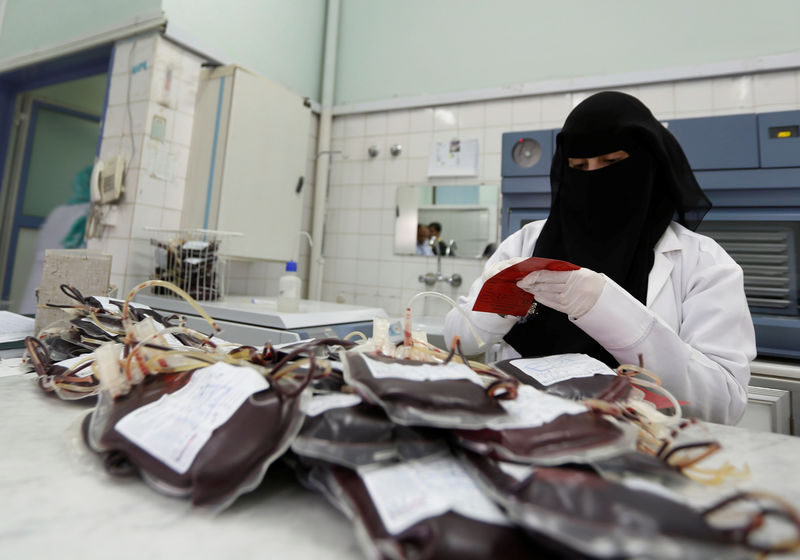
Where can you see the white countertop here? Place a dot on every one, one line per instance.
(58, 502)
(262, 311)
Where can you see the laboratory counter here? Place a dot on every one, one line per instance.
(58, 501)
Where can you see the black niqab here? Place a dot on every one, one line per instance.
(609, 219)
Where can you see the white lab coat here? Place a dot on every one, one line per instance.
(695, 333)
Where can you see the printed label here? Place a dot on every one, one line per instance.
(552, 369)
(421, 372)
(175, 428)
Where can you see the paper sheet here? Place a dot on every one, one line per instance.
(175, 428)
(500, 293)
(559, 367)
(14, 327)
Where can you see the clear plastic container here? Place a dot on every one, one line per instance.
(289, 290)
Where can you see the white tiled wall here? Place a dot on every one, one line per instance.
(151, 77)
(155, 78)
(361, 266)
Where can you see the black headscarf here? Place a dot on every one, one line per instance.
(609, 219)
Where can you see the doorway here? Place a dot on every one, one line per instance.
(53, 133)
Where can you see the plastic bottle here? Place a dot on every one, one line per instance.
(289, 290)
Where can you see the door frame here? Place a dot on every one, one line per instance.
(82, 64)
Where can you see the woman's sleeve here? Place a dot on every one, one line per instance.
(489, 327)
(706, 363)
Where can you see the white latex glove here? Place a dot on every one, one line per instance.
(500, 266)
(573, 292)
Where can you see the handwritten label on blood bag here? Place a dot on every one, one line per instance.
(560, 367)
(406, 493)
(175, 428)
(533, 408)
(500, 293)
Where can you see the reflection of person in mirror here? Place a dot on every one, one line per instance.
(423, 240)
(625, 206)
(439, 246)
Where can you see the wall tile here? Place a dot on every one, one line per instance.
(445, 119)
(369, 222)
(145, 217)
(182, 130)
(351, 172)
(472, 115)
(337, 127)
(376, 124)
(418, 170)
(397, 171)
(555, 108)
(124, 225)
(350, 221)
(527, 111)
(372, 196)
(354, 125)
(493, 139)
(776, 89)
(693, 96)
(391, 274)
(490, 168)
(733, 93)
(374, 171)
(369, 247)
(398, 122)
(419, 144)
(355, 148)
(150, 190)
(421, 120)
(499, 112)
(170, 219)
(659, 98)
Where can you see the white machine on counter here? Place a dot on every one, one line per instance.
(255, 321)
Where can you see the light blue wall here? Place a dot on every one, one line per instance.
(31, 25)
(279, 39)
(408, 48)
(393, 49)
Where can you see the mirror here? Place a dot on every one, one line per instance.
(468, 215)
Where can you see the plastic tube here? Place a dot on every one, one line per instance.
(453, 304)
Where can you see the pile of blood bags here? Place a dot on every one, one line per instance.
(428, 455)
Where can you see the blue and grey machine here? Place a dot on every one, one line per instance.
(749, 166)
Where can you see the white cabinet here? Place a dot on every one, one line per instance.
(773, 397)
(768, 410)
(247, 163)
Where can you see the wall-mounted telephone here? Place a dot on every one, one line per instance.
(106, 182)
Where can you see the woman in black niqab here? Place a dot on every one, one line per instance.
(609, 219)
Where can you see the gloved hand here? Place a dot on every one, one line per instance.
(500, 266)
(573, 292)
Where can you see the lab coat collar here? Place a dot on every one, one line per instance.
(662, 265)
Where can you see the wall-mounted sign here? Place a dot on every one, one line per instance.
(456, 158)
